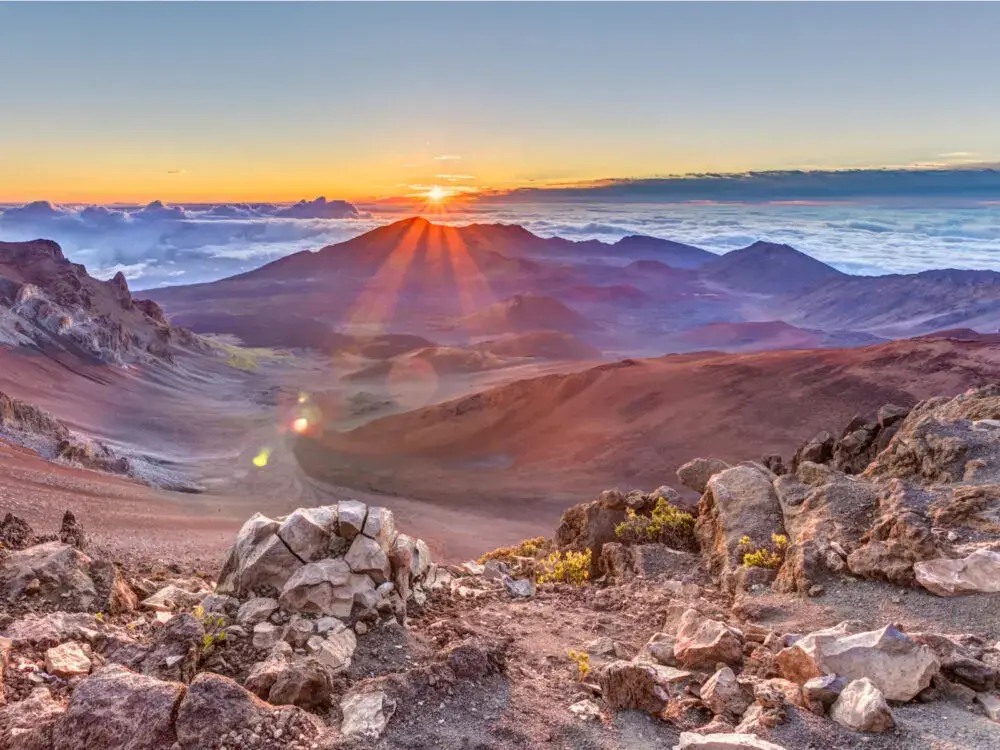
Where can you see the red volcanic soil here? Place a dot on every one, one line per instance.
(537, 445)
(540, 345)
(526, 312)
(443, 360)
(773, 334)
(760, 336)
(620, 295)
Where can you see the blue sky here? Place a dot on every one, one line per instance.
(280, 101)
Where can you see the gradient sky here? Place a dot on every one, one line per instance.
(256, 101)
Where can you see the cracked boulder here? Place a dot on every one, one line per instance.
(896, 664)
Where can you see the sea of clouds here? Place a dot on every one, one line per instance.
(157, 244)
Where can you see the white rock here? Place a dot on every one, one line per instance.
(326, 625)
(256, 610)
(991, 704)
(695, 473)
(367, 556)
(307, 532)
(334, 651)
(897, 665)
(268, 564)
(979, 573)
(366, 714)
(171, 598)
(586, 709)
(67, 660)
(316, 589)
(299, 631)
(380, 526)
(266, 635)
(862, 707)
(724, 742)
(351, 517)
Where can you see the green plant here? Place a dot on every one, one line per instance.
(582, 661)
(666, 523)
(213, 624)
(566, 567)
(764, 557)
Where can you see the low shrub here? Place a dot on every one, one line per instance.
(565, 567)
(764, 557)
(582, 661)
(666, 524)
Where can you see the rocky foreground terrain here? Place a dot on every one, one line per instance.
(847, 597)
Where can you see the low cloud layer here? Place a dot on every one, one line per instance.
(158, 244)
(972, 183)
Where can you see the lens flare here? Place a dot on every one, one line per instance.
(261, 459)
(300, 425)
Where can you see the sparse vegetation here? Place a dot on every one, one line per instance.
(582, 661)
(666, 524)
(566, 567)
(527, 548)
(213, 625)
(244, 358)
(764, 557)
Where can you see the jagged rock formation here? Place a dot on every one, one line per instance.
(47, 301)
(28, 425)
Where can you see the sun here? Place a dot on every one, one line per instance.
(437, 194)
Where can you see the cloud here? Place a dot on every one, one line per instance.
(968, 184)
(202, 242)
(447, 157)
(455, 177)
(176, 171)
(319, 209)
(159, 243)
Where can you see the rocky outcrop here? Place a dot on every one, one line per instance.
(695, 473)
(738, 502)
(47, 301)
(54, 575)
(217, 712)
(591, 526)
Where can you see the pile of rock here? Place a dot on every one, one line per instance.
(710, 677)
(295, 596)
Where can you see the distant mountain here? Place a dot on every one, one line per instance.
(761, 336)
(525, 312)
(674, 254)
(900, 305)
(768, 268)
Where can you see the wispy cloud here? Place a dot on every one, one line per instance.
(176, 171)
(447, 157)
(455, 177)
